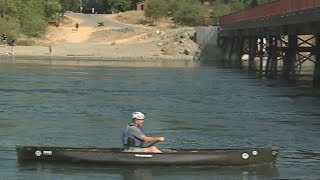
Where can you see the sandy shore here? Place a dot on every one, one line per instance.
(98, 55)
(96, 46)
(85, 61)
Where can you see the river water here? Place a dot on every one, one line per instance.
(202, 107)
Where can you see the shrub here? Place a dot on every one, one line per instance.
(34, 26)
(26, 42)
(188, 12)
(156, 9)
(10, 27)
(219, 9)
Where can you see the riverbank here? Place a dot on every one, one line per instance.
(85, 61)
(98, 56)
(101, 61)
(116, 41)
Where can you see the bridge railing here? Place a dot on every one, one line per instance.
(271, 9)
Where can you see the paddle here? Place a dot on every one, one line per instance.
(152, 144)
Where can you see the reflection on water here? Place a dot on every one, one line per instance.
(150, 173)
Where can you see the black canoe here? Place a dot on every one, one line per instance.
(115, 156)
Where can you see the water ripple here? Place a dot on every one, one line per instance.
(193, 108)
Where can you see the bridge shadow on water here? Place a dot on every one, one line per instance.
(300, 80)
(149, 173)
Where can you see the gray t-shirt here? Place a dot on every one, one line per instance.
(134, 132)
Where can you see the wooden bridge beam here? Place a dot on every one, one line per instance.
(316, 74)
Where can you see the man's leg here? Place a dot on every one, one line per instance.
(153, 149)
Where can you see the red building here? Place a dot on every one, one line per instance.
(140, 6)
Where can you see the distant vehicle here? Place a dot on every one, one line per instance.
(69, 12)
(53, 23)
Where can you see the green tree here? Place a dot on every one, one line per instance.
(51, 7)
(27, 16)
(237, 5)
(10, 26)
(189, 12)
(8, 7)
(120, 5)
(70, 5)
(32, 17)
(219, 9)
(254, 3)
(9, 23)
(156, 9)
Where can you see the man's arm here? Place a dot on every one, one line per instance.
(136, 132)
(151, 139)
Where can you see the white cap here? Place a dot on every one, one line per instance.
(137, 115)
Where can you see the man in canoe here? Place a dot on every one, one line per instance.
(133, 137)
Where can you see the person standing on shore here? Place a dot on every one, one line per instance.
(3, 39)
(11, 47)
(77, 26)
(50, 49)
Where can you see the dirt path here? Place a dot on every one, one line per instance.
(89, 31)
(114, 39)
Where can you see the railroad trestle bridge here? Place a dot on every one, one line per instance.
(281, 38)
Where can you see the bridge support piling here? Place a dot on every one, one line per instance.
(230, 48)
(234, 54)
(290, 57)
(240, 52)
(223, 45)
(252, 52)
(271, 68)
(261, 53)
(272, 56)
(316, 74)
(237, 53)
(227, 49)
(229, 59)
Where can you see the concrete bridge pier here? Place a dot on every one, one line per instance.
(316, 74)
